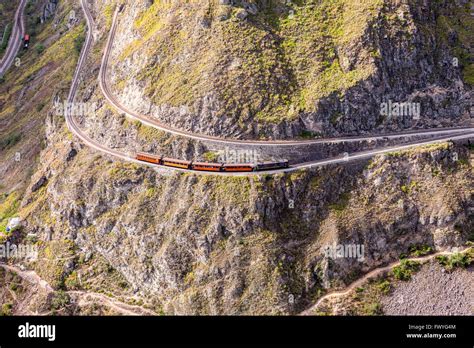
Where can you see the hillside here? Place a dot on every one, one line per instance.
(266, 69)
(158, 241)
(7, 12)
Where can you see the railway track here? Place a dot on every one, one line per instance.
(445, 134)
(14, 43)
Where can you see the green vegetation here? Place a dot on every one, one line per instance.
(210, 156)
(341, 204)
(6, 38)
(367, 300)
(420, 250)
(79, 41)
(55, 255)
(270, 67)
(305, 134)
(108, 14)
(39, 48)
(56, 54)
(122, 170)
(409, 189)
(405, 270)
(60, 300)
(72, 281)
(458, 260)
(6, 309)
(10, 141)
(384, 286)
(461, 22)
(8, 209)
(373, 308)
(468, 74)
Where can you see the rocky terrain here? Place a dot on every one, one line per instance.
(439, 285)
(174, 243)
(451, 294)
(279, 69)
(236, 246)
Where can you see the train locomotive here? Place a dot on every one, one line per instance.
(211, 167)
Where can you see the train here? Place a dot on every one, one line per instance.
(211, 167)
(26, 41)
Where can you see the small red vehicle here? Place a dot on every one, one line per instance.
(26, 41)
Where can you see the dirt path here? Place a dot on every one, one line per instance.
(372, 274)
(121, 307)
(29, 276)
(83, 297)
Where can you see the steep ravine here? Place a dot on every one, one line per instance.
(205, 245)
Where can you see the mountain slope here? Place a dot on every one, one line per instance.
(272, 70)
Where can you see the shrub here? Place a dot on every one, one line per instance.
(39, 48)
(384, 287)
(468, 74)
(456, 260)
(78, 42)
(6, 309)
(420, 250)
(9, 141)
(6, 37)
(374, 308)
(211, 156)
(60, 300)
(405, 270)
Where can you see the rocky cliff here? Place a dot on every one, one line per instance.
(203, 245)
(187, 244)
(279, 69)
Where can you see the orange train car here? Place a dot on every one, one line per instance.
(146, 157)
(171, 162)
(210, 167)
(207, 167)
(242, 167)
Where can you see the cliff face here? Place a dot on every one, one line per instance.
(188, 244)
(276, 69)
(203, 245)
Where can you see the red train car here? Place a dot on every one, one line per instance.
(171, 162)
(239, 167)
(210, 167)
(146, 157)
(207, 167)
